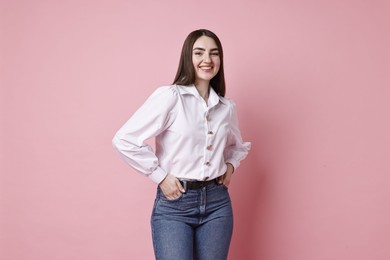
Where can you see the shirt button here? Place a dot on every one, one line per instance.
(209, 147)
(207, 163)
(210, 132)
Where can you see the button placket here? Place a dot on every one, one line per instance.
(210, 133)
(207, 116)
(208, 144)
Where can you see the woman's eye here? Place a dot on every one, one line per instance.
(198, 53)
(215, 54)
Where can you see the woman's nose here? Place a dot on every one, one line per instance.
(207, 58)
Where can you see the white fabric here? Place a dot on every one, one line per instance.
(194, 140)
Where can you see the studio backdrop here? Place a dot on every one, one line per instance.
(312, 87)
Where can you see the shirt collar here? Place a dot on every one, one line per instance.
(214, 98)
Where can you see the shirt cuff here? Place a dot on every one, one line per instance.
(158, 175)
(234, 163)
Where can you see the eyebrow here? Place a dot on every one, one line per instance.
(202, 49)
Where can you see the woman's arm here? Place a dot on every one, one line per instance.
(153, 117)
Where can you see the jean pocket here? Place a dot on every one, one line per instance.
(166, 199)
(186, 202)
(223, 186)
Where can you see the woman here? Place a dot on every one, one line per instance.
(198, 147)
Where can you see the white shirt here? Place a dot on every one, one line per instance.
(194, 140)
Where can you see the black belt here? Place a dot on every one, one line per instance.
(193, 185)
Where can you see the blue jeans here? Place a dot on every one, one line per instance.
(198, 225)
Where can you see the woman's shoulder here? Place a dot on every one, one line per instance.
(177, 90)
(163, 95)
(169, 93)
(167, 90)
(228, 101)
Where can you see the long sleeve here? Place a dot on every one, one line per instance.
(236, 149)
(152, 118)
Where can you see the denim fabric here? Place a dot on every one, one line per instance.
(198, 225)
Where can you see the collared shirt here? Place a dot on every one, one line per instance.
(194, 139)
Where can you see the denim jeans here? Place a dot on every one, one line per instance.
(198, 225)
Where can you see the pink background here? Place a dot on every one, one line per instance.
(312, 83)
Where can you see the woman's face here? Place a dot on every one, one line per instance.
(205, 58)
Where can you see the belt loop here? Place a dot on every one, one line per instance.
(184, 184)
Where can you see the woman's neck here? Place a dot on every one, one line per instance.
(203, 89)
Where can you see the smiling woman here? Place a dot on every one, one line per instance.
(201, 46)
(206, 63)
(198, 146)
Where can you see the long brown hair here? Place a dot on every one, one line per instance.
(186, 73)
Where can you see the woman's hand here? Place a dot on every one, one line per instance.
(225, 179)
(171, 187)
